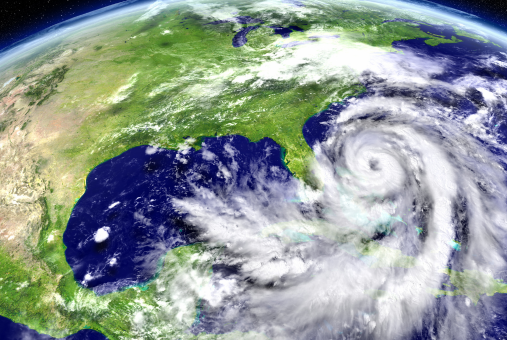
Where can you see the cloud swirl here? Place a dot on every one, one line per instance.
(411, 208)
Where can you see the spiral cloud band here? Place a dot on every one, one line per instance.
(404, 236)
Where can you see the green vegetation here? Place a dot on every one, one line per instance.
(58, 306)
(473, 284)
(179, 93)
(464, 33)
(46, 86)
(38, 57)
(21, 289)
(5, 124)
(25, 124)
(437, 41)
(157, 82)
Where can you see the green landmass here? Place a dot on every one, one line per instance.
(126, 83)
(471, 283)
(46, 86)
(438, 41)
(464, 33)
(59, 306)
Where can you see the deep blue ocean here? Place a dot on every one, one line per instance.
(130, 195)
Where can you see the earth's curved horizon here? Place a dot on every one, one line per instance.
(255, 170)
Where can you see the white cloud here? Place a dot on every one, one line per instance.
(154, 9)
(112, 205)
(101, 234)
(379, 176)
(124, 91)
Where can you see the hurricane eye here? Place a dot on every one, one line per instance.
(374, 164)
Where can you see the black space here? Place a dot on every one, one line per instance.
(494, 11)
(22, 18)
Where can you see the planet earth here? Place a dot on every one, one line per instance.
(255, 170)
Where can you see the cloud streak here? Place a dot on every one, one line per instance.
(403, 178)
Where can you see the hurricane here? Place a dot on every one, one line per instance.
(409, 194)
(282, 169)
